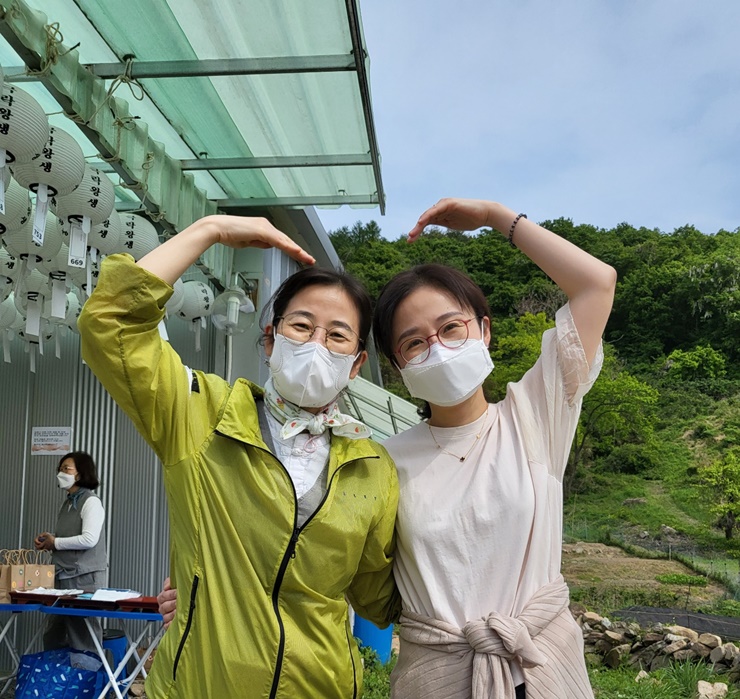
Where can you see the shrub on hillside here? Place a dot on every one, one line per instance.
(632, 459)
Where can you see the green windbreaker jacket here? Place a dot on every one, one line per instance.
(261, 603)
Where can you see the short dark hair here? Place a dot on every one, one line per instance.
(316, 276)
(85, 467)
(446, 279)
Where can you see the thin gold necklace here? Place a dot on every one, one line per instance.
(472, 446)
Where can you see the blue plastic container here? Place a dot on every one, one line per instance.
(379, 640)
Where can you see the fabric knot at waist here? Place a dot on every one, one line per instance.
(503, 636)
(493, 641)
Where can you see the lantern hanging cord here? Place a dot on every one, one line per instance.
(143, 187)
(54, 39)
(120, 123)
(137, 91)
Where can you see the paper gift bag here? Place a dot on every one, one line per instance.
(29, 570)
(4, 579)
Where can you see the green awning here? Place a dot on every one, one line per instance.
(244, 105)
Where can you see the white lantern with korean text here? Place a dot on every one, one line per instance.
(24, 129)
(196, 307)
(8, 273)
(105, 237)
(17, 207)
(138, 235)
(89, 204)
(173, 305)
(19, 243)
(54, 172)
(30, 292)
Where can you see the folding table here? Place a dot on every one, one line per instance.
(115, 680)
(15, 610)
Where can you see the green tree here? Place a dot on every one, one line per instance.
(702, 362)
(516, 344)
(347, 241)
(722, 481)
(619, 409)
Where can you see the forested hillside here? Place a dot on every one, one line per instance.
(666, 408)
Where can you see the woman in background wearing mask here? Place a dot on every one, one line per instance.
(485, 608)
(77, 549)
(280, 506)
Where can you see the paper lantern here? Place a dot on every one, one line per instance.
(8, 273)
(74, 308)
(8, 312)
(89, 204)
(19, 242)
(24, 126)
(138, 236)
(54, 172)
(17, 206)
(105, 237)
(10, 321)
(29, 296)
(174, 304)
(196, 307)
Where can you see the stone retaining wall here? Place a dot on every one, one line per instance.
(616, 643)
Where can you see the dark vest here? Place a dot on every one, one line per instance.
(71, 563)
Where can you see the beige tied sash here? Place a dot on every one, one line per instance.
(445, 661)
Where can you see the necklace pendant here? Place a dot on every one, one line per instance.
(462, 458)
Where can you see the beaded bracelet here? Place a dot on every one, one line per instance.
(513, 226)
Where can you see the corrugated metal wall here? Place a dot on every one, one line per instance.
(64, 392)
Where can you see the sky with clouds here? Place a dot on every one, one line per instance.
(601, 111)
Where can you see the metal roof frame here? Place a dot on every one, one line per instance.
(142, 163)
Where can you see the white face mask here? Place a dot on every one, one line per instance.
(307, 374)
(449, 376)
(65, 480)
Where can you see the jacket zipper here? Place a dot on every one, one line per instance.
(354, 669)
(290, 553)
(191, 610)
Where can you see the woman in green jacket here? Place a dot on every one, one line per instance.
(280, 507)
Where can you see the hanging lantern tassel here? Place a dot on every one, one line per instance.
(42, 208)
(57, 347)
(33, 314)
(163, 331)
(78, 233)
(200, 324)
(89, 280)
(7, 336)
(58, 294)
(3, 155)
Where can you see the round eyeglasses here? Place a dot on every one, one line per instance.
(340, 340)
(452, 334)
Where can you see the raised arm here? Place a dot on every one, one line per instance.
(587, 282)
(170, 260)
(121, 343)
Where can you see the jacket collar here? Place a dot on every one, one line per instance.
(238, 419)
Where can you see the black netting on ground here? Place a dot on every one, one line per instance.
(727, 627)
